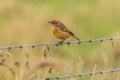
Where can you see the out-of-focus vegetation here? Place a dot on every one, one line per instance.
(25, 22)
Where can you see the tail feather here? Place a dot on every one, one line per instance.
(75, 37)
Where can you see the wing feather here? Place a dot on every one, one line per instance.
(62, 27)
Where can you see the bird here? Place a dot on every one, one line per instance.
(61, 31)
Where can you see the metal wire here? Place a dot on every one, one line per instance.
(58, 44)
(81, 75)
(69, 43)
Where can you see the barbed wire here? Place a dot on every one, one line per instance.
(81, 75)
(58, 44)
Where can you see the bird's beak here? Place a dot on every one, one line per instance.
(49, 22)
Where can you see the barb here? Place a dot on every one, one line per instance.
(57, 44)
(82, 75)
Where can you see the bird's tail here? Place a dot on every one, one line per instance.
(75, 37)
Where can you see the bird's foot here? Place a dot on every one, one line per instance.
(60, 43)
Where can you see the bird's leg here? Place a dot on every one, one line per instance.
(61, 42)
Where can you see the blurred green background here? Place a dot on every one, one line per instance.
(25, 22)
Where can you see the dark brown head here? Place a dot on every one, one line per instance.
(53, 22)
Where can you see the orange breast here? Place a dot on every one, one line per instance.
(60, 34)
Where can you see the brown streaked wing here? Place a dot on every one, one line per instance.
(61, 26)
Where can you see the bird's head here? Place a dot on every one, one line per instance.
(53, 22)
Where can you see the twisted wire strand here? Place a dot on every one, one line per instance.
(84, 74)
(57, 44)
(69, 43)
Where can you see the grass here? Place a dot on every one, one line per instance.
(25, 22)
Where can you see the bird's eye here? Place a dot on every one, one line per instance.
(54, 22)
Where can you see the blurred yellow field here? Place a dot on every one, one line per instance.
(26, 22)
